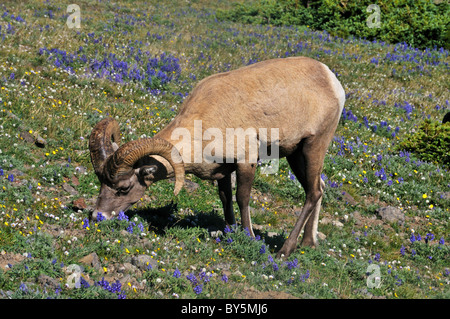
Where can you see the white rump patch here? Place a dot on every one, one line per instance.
(337, 87)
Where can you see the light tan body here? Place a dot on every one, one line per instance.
(298, 96)
(295, 95)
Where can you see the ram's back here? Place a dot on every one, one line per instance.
(299, 96)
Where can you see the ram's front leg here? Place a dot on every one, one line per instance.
(226, 196)
(245, 174)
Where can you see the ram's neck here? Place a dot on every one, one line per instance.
(181, 138)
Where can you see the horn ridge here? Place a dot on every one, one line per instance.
(100, 142)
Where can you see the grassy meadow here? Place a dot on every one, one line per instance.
(137, 61)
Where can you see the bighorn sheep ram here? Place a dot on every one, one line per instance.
(299, 96)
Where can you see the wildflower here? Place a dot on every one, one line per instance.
(191, 277)
(304, 276)
(402, 250)
(291, 176)
(198, 289)
(428, 237)
(130, 227)
(23, 287)
(262, 250)
(177, 273)
(100, 217)
(292, 264)
(228, 229)
(85, 224)
(122, 216)
(225, 278)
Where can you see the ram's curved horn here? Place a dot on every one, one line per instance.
(122, 161)
(101, 142)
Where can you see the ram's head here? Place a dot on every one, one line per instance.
(126, 171)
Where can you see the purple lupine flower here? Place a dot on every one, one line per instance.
(228, 229)
(225, 278)
(85, 223)
(122, 216)
(198, 289)
(402, 250)
(177, 273)
(262, 250)
(100, 217)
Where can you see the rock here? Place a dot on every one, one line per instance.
(223, 266)
(91, 260)
(69, 189)
(8, 260)
(48, 281)
(348, 198)
(358, 218)
(26, 136)
(127, 268)
(144, 262)
(257, 227)
(75, 181)
(190, 186)
(321, 236)
(391, 214)
(79, 204)
(327, 220)
(125, 280)
(337, 223)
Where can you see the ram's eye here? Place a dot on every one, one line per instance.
(124, 189)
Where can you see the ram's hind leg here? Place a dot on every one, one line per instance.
(310, 234)
(306, 163)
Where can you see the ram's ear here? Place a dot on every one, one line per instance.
(148, 173)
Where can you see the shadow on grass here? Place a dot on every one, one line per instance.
(160, 219)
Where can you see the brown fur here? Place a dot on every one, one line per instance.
(299, 96)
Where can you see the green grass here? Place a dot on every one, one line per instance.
(41, 233)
